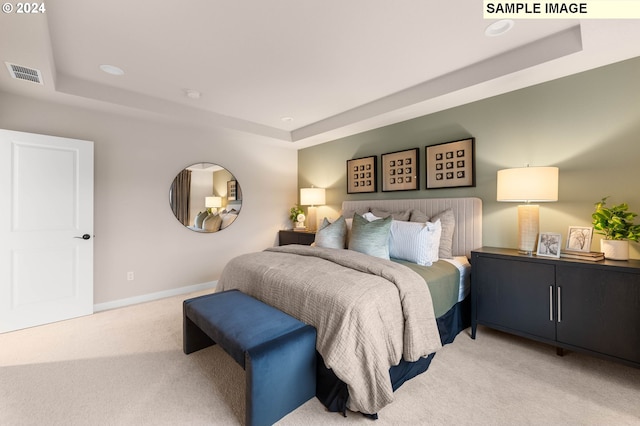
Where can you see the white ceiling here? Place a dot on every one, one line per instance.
(335, 67)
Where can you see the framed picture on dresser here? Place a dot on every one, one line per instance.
(451, 164)
(579, 238)
(361, 175)
(549, 244)
(400, 170)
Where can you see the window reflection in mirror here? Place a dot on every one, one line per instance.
(205, 197)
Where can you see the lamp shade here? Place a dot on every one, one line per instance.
(213, 202)
(312, 196)
(528, 184)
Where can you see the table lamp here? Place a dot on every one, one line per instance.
(212, 202)
(312, 197)
(528, 185)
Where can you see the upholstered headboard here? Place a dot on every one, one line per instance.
(467, 235)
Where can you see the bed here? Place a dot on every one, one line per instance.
(378, 323)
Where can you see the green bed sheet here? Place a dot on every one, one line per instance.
(443, 280)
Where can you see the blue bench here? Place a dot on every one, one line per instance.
(276, 350)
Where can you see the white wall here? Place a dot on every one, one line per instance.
(135, 163)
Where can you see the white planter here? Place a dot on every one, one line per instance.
(615, 249)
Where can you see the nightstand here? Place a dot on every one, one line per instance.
(296, 237)
(591, 307)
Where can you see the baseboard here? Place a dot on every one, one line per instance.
(153, 296)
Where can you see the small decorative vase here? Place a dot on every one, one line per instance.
(615, 249)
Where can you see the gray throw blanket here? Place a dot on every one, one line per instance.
(368, 312)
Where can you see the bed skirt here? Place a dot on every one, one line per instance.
(333, 393)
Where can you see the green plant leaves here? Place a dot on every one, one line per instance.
(615, 222)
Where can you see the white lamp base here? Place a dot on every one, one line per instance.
(528, 227)
(312, 223)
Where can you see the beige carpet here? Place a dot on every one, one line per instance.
(126, 367)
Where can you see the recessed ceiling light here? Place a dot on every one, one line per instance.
(192, 94)
(287, 119)
(111, 69)
(499, 27)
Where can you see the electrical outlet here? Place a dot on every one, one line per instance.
(130, 276)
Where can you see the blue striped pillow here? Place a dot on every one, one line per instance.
(415, 242)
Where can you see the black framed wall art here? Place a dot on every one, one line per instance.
(361, 175)
(451, 164)
(233, 191)
(400, 170)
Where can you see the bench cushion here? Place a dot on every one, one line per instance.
(246, 322)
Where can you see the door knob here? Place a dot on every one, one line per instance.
(84, 237)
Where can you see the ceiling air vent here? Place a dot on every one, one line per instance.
(24, 73)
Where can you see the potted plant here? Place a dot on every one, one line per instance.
(616, 224)
(296, 214)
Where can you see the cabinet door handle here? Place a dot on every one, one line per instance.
(559, 304)
(550, 303)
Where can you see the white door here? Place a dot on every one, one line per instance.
(46, 207)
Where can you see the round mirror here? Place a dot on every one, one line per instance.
(205, 197)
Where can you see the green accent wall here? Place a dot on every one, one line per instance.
(587, 124)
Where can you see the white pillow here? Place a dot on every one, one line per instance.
(415, 242)
(370, 216)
